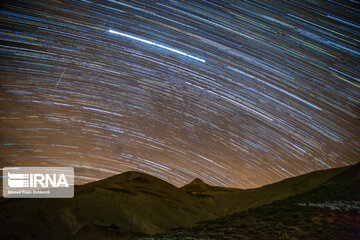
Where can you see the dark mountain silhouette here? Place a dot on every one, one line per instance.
(134, 205)
(331, 210)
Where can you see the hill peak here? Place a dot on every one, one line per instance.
(197, 185)
(131, 179)
(197, 181)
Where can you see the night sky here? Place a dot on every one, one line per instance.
(237, 93)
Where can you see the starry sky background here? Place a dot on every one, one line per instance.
(271, 90)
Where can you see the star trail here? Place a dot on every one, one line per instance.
(237, 93)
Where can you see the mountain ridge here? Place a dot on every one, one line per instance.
(329, 211)
(135, 204)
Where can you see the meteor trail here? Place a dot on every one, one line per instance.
(60, 78)
(156, 44)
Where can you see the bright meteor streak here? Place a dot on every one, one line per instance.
(156, 44)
